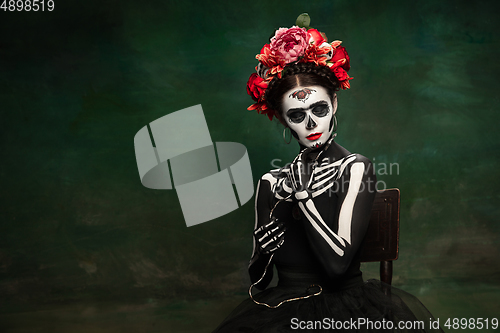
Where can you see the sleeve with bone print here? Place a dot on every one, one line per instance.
(335, 242)
(334, 238)
(268, 234)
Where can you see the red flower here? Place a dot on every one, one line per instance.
(256, 87)
(345, 84)
(269, 113)
(316, 54)
(341, 58)
(316, 36)
(262, 108)
(336, 43)
(266, 57)
(340, 73)
(290, 46)
(276, 70)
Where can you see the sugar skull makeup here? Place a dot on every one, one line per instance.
(308, 111)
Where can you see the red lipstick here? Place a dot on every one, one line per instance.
(314, 136)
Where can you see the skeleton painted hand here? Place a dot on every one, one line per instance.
(270, 237)
(334, 238)
(319, 178)
(300, 175)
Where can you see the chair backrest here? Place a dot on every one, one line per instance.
(381, 241)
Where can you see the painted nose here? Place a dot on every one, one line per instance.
(310, 123)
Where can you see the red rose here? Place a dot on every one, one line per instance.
(316, 36)
(340, 73)
(256, 86)
(341, 53)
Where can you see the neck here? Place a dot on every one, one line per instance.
(315, 153)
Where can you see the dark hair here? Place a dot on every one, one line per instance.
(301, 74)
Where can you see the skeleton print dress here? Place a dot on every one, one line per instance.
(313, 242)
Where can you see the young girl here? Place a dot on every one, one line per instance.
(312, 215)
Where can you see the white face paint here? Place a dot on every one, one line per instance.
(308, 111)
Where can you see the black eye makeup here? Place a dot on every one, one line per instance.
(296, 116)
(319, 109)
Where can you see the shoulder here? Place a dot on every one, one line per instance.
(274, 175)
(269, 176)
(358, 158)
(356, 164)
(351, 159)
(269, 179)
(266, 175)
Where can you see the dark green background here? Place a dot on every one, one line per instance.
(84, 247)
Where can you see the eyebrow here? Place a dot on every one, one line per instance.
(312, 106)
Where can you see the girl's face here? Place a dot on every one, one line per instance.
(308, 111)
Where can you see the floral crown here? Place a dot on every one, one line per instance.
(290, 46)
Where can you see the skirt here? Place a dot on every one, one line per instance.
(344, 305)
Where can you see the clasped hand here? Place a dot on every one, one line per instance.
(270, 237)
(300, 175)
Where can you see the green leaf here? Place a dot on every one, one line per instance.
(303, 21)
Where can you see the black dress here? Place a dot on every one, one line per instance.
(312, 258)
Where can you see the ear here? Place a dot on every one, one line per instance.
(282, 120)
(334, 103)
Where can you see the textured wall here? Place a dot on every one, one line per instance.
(83, 246)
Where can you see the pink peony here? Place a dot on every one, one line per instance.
(290, 44)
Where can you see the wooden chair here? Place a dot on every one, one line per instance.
(381, 242)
